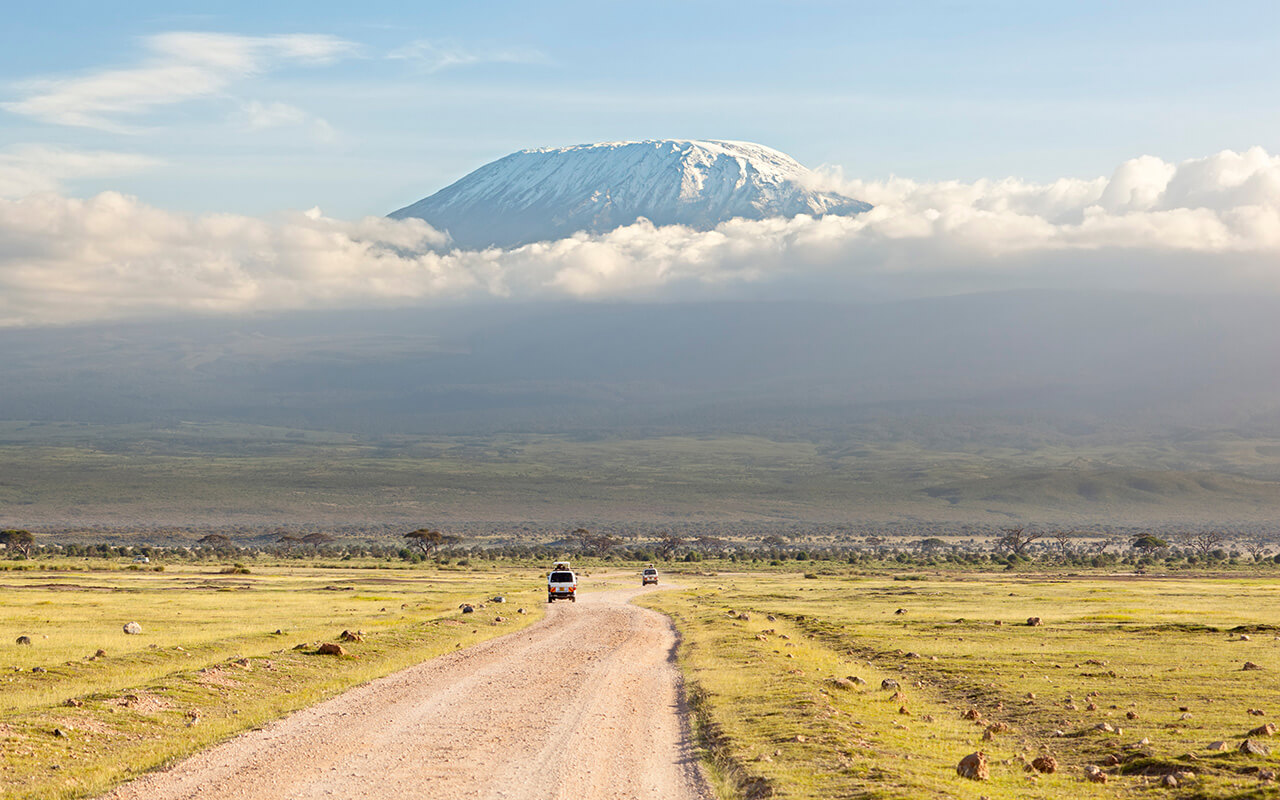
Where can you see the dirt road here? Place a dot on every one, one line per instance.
(584, 705)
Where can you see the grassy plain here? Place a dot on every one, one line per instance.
(1159, 660)
(216, 655)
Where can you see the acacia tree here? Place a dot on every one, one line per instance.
(1063, 538)
(1257, 548)
(1206, 542)
(20, 541)
(668, 545)
(1016, 540)
(428, 540)
(1148, 543)
(595, 543)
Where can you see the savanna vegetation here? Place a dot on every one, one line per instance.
(824, 686)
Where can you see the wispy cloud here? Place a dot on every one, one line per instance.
(180, 66)
(257, 116)
(37, 168)
(1205, 224)
(431, 56)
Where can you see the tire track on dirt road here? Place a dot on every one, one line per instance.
(584, 705)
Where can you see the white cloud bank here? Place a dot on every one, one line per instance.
(1204, 224)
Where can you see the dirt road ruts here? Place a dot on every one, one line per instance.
(584, 705)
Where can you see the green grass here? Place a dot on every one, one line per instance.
(210, 646)
(1147, 647)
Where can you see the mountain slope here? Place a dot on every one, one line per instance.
(550, 193)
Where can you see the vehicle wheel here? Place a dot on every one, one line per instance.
(573, 598)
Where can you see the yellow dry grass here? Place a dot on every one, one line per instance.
(1160, 661)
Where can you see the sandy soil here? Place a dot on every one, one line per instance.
(585, 705)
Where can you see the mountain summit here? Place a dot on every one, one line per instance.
(550, 193)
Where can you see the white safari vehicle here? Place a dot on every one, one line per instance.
(562, 584)
(650, 575)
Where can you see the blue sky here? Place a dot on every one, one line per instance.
(403, 98)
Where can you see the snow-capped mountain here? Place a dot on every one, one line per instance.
(550, 193)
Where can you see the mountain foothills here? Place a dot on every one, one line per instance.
(551, 193)
(1030, 406)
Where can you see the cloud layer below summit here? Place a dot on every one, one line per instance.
(1208, 224)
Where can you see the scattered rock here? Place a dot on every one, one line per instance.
(132, 628)
(499, 599)
(351, 636)
(888, 683)
(279, 632)
(998, 622)
(972, 714)
(39, 669)
(1219, 747)
(903, 711)
(24, 640)
(1033, 622)
(1244, 637)
(1257, 712)
(1110, 760)
(1131, 715)
(1091, 707)
(192, 717)
(1104, 727)
(799, 738)
(467, 608)
(100, 653)
(1045, 764)
(843, 683)
(856, 679)
(1185, 716)
(499, 619)
(1249, 665)
(974, 767)
(744, 616)
(771, 618)
(1094, 774)
(60, 733)
(913, 655)
(901, 611)
(1251, 748)
(1263, 730)
(898, 697)
(73, 703)
(521, 611)
(302, 646)
(1267, 775)
(762, 637)
(1169, 782)
(331, 649)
